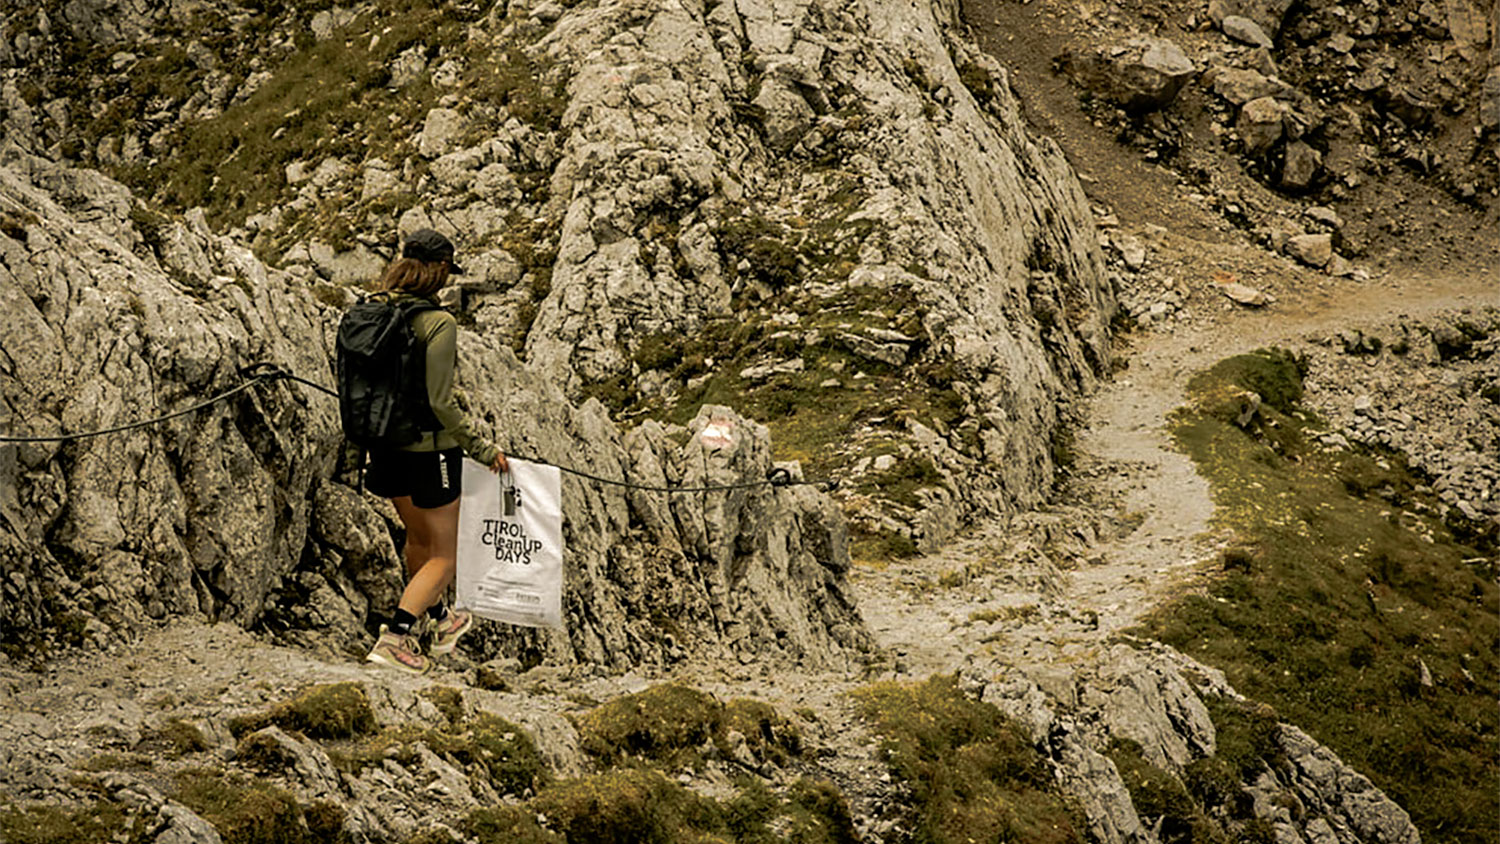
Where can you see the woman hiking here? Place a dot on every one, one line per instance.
(423, 479)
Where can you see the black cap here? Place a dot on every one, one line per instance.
(430, 247)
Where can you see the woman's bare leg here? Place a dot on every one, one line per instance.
(431, 562)
(418, 542)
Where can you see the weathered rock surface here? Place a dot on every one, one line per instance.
(232, 513)
(1142, 74)
(990, 219)
(1426, 388)
(1154, 697)
(1076, 716)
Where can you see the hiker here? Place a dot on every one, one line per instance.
(423, 479)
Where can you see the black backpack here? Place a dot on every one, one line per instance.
(382, 372)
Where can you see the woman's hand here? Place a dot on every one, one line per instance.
(499, 464)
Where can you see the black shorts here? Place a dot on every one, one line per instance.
(431, 478)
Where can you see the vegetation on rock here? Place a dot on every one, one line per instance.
(670, 724)
(340, 710)
(973, 775)
(1346, 604)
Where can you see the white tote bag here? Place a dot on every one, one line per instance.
(510, 545)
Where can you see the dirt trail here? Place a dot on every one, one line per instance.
(1141, 524)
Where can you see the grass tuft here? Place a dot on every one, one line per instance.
(670, 723)
(973, 775)
(1352, 587)
(337, 711)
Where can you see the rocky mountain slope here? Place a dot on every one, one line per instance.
(832, 228)
(664, 206)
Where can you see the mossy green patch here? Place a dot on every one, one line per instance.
(340, 710)
(973, 774)
(641, 806)
(1162, 801)
(485, 742)
(978, 81)
(901, 482)
(173, 738)
(115, 762)
(880, 546)
(1346, 591)
(820, 414)
(449, 701)
(246, 812)
(669, 723)
(101, 821)
(1021, 612)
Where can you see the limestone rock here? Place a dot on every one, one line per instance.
(440, 132)
(1300, 166)
(1327, 786)
(1245, 294)
(1245, 31)
(1315, 250)
(1267, 14)
(1489, 99)
(1467, 24)
(1240, 86)
(1261, 123)
(232, 512)
(183, 826)
(1144, 698)
(1142, 74)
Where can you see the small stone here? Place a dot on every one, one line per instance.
(1261, 124)
(1240, 86)
(1245, 31)
(1341, 43)
(548, 12)
(1131, 250)
(1363, 405)
(1244, 294)
(1315, 250)
(1326, 216)
(1301, 166)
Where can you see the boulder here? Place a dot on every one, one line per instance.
(440, 132)
(1143, 74)
(1267, 14)
(1314, 250)
(1261, 124)
(1489, 100)
(1468, 27)
(1240, 86)
(1300, 165)
(1246, 31)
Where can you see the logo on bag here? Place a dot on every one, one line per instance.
(511, 501)
(509, 540)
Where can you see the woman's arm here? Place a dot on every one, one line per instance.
(441, 338)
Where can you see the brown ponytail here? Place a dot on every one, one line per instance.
(408, 275)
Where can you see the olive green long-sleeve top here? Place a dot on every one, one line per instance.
(438, 331)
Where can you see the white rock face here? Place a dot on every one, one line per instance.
(231, 512)
(997, 223)
(1155, 697)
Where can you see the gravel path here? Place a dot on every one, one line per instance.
(1133, 526)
